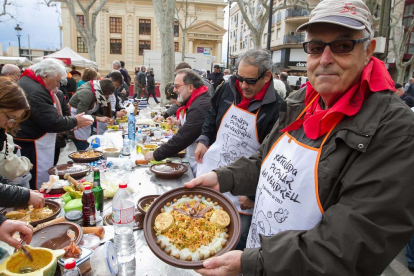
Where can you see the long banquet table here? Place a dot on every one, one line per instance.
(144, 182)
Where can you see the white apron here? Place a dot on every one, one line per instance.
(236, 137)
(287, 193)
(191, 148)
(85, 132)
(45, 155)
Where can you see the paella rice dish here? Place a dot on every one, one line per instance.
(87, 154)
(29, 214)
(192, 228)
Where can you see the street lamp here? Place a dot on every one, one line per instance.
(19, 34)
(228, 37)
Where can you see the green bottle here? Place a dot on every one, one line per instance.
(97, 190)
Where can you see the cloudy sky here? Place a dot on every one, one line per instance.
(41, 23)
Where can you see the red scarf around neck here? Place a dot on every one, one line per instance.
(196, 93)
(28, 72)
(318, 122)
(244, 104)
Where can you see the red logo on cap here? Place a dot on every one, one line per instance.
(348, 7)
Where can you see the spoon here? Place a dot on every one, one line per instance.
(26, 252)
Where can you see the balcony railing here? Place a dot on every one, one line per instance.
(296, 13)
(294, 39)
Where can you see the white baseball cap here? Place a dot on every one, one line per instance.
(353, 14)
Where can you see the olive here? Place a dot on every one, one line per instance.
(212, 253)
(184, 196)
(168, 204)
(175, 200)
(191, 196)
(201, 256)
(215, 203)
(226, 230)
(223, 243)
(177, 256)
(163, 246)
(227, 236)
(162, 210)
(221, 208)
(168, 251)
(188, 258)
(158, 242)
(199, 196)
(208, 199)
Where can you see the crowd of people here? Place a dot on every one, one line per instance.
(320, 176)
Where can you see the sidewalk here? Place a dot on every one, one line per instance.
(398, 267)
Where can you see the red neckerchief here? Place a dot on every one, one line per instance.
(93, 89)
(28, 72)
(196, 93)
(244, 104)
(318, 122)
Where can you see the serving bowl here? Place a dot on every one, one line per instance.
(149, 199)
(75, 170)
(138, 224)
(54, 206)
(84, 160)
(149, 232)
(168, 170)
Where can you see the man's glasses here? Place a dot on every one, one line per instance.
(250, 81)
(9, 119)
(176, 86)
(338, 46)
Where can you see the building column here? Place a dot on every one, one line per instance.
(218, 55)
(190, 46)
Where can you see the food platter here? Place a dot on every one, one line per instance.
(55, 236)
(75, 170)
(54, 206)
(96, 156)
(233, 229)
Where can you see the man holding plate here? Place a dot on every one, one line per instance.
(333, 179)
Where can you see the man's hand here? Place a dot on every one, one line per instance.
(123, 91)
(173, 121)
(149, 156)
(82, 122)
(199, 152)
(7, 229)
(209, 180)
(103, 119)
(226, 265)
(121, 113)
(36, 199)
(158, 119)
(246, 203)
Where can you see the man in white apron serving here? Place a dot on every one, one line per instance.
(193, 95)
(37, 134)
(244, 111)
(333, 180)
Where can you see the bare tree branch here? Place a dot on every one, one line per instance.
(4, 10)
(188, 21)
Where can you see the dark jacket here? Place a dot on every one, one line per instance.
(288, 88)
(43, 116)
(127, 79)
(150, 84)
(61, 136)
(12, 196)
(118, 93)
(365, 189)
(222, 100)
(141, 77)
(217, 78)
(408, 99)
(189, 132)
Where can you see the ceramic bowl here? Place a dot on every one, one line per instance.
(139, 220)
(233, 229)
(84, 160)
(149, 199)
(54, 236)
(75, 170)
(168, 170)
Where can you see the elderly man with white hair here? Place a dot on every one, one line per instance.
(333, 179)
(116, 65)
(37, 134)
(11, 71)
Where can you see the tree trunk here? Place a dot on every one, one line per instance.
(183, 47)
(164, 15)
(91, 49)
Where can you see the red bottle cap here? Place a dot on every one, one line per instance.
(87, 187)
(70, 263)
(123, 185)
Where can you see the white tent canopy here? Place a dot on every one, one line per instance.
(76, 59)
(15, 60)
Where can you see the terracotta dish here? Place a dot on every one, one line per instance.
(54, 206)
(143, 201)
(54, 236)
(75, 170)
(168, 170)
(139, 220)
(149, 232)
(85, 160)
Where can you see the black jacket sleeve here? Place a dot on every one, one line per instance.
(189, 132)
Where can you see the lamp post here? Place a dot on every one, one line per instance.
(228, 37)
(19, 34)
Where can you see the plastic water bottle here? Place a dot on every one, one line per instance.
(131, 127)
(126, 150)
(71, 269)
(123, 216)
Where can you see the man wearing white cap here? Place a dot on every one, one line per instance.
(333, 180)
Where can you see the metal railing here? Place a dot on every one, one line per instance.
(296, 13)
(294, 39)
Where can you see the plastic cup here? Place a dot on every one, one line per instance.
(104, 260)
(157, 134)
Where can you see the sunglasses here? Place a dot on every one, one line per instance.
(338, 46)
(250, 81)
(9, 119)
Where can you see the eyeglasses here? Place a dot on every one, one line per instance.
(9, 119)
(337, 46)
(176, 86)
(250, 81)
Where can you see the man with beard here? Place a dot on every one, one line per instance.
(244, 110)
(192, 93)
